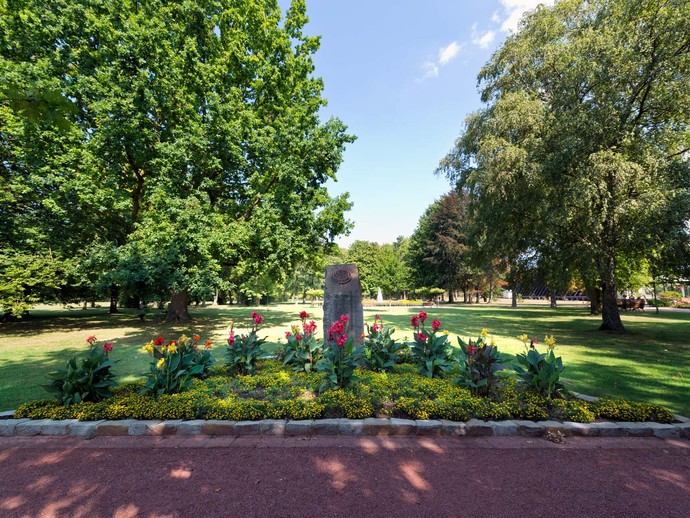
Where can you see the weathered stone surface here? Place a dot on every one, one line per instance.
(143, 427)
(605, 430)
(343, 296)
(403, 427)
(8, 414)
(114, 427)
(584, 397)
(429, 427)
(528, 428)
(85, 429)
(501, 428)
(272, 426)
(665, 431)
(677, 417)
(478, 428)
(165, 427)
(326, 426)
(453, 428)
(300, 427)
(7, 426)
(351, 427)
(247, 428)
(375, 426)
(684, 430)
(218, 427)
(192, 427)
(32, 427)
(636, 429)
(58, 427)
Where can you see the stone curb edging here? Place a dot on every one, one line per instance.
(347, 427)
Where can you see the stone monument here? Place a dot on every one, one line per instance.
(343, 296)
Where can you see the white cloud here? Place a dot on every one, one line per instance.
(496, 17)
(514, 9)
(482, 40)
(446, 54)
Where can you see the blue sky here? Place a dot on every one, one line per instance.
(402, 75)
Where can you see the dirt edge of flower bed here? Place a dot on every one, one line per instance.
(9, 426)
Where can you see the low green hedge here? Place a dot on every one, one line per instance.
(276, 393)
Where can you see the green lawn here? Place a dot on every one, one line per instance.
(651, 362)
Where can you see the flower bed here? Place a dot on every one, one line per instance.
(426, 379)
(278, 393)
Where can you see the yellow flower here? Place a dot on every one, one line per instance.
(550, 341)
(161, 363)
(148, 348)
(296, 329)
(524, 339)
(485, 332)
(446, 332)
(183, 339)
(172, 348)
(492, 342)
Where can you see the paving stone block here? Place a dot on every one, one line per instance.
(376, 426)
(272, 426)
(529, 428)
(218, 427)
(403, 427)
(501, 428)
(85, 429)
(144, 427)
(665, 431)
(299, 427)
(677, 417)
(31, 427)
(58, 427)
(8, 426)
(479, 428)
(247, 428)
(429, 427)
(191, 427)
(351, 427)
(326, 426)
(636, 429)
(8, 414)
(165, 427)
(606, 430)
(114, 427)
(453, 428)
(684, 430)
(584, 397)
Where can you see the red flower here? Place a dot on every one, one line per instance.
(172, 342)
(374, 328)
(471, 349)
(336, 328)
(414, 321)
(287, 334)
(435, 325)
(304, 315)
(158, 341)
(257, 318)
(254, 314)
(342, 340)
(91, 339)
(421, 336)
(344, 319)
(377, 318)
(107, 347)
(231, 339)
(422, 316)
(298, 337)
(310, 327)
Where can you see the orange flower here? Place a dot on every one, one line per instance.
(208, 344)
(196, 338)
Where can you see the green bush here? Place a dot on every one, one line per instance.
(90, 379)
(669, 297)
(621, 410)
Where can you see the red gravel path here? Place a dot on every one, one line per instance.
(340, 476)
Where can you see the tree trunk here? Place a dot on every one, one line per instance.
(450, 297)
(610, 316)
(113, 299)
(656, 300)
(477, 295)
(553, 299)
(516, 288)
(491, 288)
(177, 310)
(464, 295)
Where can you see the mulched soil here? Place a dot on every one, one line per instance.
(343, 476)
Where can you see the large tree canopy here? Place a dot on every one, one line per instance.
(582, 150)
(182, 135)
